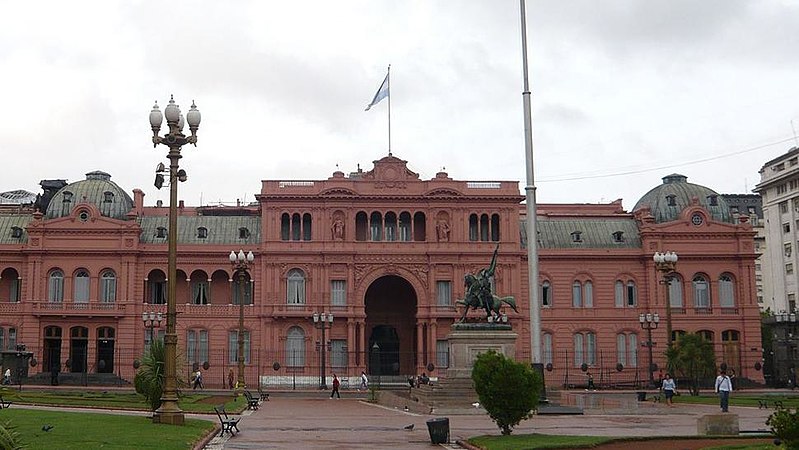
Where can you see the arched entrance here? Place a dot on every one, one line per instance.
(105, 350)
(391, 326)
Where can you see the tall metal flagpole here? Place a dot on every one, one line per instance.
(532, 232)
(388, 77)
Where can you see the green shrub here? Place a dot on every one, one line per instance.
(785, 425)
(508, 390)
(10, 439)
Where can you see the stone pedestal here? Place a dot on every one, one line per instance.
(718, 425)
(455, 392)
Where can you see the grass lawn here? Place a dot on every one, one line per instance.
(72, 430)
(740, 398)
(522, 441)
(194, 403)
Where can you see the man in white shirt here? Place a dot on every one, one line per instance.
(723, 388)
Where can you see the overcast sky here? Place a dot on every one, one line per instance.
(624, 92)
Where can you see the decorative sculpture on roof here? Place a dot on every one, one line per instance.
(480, 295)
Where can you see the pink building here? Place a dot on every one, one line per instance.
(385, 253)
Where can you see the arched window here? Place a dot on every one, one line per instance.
(156, 286)
(306, 227)
(726, 291)
(200, 289)
(405, 226)
(625, 294)
(295, 347)
(706, 335)
(474, 231)
(55, 286)
(295, 289)
(632, 293)
(675, 291)
(81, 288)
(632, 340)
(484, 230)
(108, 286)
(546, 293)
(546, 348)
(361, 226)
(233, 346)
(285, 227)
(701, 292)
(579, 349)
(376, 227)
(391, 226)
(295, 227)
(495, 227)
(202, 233)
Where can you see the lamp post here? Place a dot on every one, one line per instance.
(241, 263)
(665, 263)
(649, 322)
(151, 321)
(169, 412)
(322, 321)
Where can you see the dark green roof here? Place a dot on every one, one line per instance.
(667, 201)
(221, 229)
(7, 224)
(594, 232)
(93, 189)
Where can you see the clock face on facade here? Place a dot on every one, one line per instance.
(697, 219)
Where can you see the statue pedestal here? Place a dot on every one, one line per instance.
(455, 392)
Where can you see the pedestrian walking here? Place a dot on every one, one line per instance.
(669, 386)
(364, 381)
(723, 388)
(198, 380)
(336, 384)
(7, 376)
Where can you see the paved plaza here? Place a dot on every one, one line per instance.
(349, 423)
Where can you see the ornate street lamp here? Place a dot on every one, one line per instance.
(169, 412)
(241, 263)
(649, 322)
(322, 322)
(151, 321)
(665, 263)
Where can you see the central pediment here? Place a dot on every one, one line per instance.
(390, 169)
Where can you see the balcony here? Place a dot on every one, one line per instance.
(78, 309)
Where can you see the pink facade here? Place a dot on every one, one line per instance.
(385, 252)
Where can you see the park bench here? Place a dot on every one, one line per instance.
(252, 402)
(4, 404)
(263, 394)
(229, 423)
(762, 403)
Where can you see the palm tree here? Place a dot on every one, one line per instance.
(149, 379)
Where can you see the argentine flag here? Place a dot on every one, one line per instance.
(382, 93)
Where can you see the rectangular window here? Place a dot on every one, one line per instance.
(157, 292)
(621, 349)
(783, 207)
(633, 340)
(233, 347)
(12, 339)
(631, 294)
(191, 346)
(444, 293)
(787, 250)
(338, 353)
(588, 294)
(579, 351)
(442, 353)
(202, 349)
(200, 292)
(81, 289)
(786, 227)
(789, 268)
(546, 353)
(338, 293)
(546, 294)
(590, 353)
(782, 188)
(619, 294)
(577, 295)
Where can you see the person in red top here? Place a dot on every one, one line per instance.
(335, 387)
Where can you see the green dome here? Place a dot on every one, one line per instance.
(667, 201)
(97, 189)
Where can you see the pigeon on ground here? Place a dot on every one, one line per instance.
(409, 427)
(476, 404)
(47, 428)
(405, 408)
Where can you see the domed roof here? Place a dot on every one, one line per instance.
(97, 189)
(676, 193)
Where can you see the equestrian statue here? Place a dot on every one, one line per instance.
(480, 295)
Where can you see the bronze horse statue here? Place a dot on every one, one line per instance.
(479, 293)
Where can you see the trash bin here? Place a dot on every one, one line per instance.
(439, 430)
(641, 396)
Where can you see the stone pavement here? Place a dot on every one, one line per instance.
(321, 423)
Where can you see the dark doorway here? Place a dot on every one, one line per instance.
(391, 324)
(78, 349)
(51, 354)
(105, 350)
